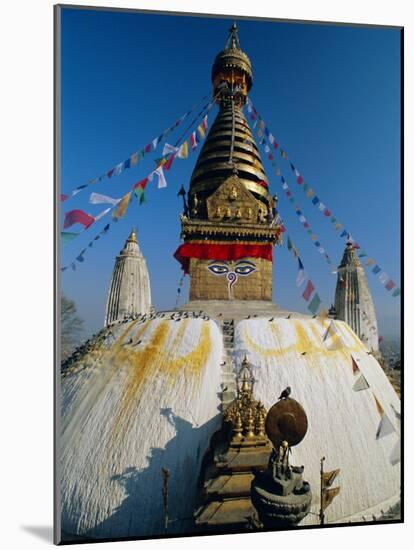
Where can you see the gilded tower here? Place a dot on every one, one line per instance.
(231, 226)
(353, 300)
(129, 291)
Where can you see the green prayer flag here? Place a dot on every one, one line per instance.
(289, 244)
(315, 303)
(67, 237)
(396, 292)
(333, 219)
(142, 198)
(305, 187)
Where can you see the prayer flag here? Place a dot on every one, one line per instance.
(201, 131)
(355, 368)
(270, 156)
(271, 139)
(169, 162)
(78, 216)
(141, 184)
(147, 148)
(385, 427)
(321, 206)
(289, 244)
(267, 132)
(308, 290)
(80, 258)
(118, 168)
(134, 159)
(161, 178)
(183, 151)
(301, 276)
(275, 145)
(127, 163)
(379, 407)
(360, 384)
(267, 149)
(64, 198)
(167, 149)
(96, 198)
(310, 193)
(376, 269)
(344, 234)
(300, 180)
(362, 254)
(67, 237)
(315, 200)
(370, 261)
(329, 477)
(383, 278)
(395, 455)
(328, 495)
(120, 210)
(193, 141)
(326, 213)
(109, 174)
(314, 304)
(291, 165)
(106, 228)
(396, 292)
(155, 142)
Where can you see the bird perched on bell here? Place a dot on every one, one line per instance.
(285, 393)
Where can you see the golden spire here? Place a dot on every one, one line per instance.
(133, 236)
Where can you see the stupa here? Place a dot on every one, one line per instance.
(146, 396)
(353, 300)
(129, 291)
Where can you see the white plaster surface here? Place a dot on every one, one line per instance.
(342, 423)
(129, 410)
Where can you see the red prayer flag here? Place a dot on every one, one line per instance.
(147, 148)
(275, 145)
(78, 216)
(288, 193)
(142, 184)
(64, 198)
(390, 285)
(355, 368)
(327, 212)
(109, 174)
(308, 290)
(271, 157)
(167, 165)
(306, 225)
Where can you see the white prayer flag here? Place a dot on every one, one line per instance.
(395, 455)
(97, 198)
(385, 427)
(102, 214)
(361, 384)
(169, 149)
(161, 178)
(118, 168)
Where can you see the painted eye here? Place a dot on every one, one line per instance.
(218, 269)
(244, 269)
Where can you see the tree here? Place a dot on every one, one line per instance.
(71, 327)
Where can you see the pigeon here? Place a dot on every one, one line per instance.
(248, 317)
(271, 319)
(285, 393)
(303, 353)
(288, 317)
(137, 343)
(314, 317)
(223, 363)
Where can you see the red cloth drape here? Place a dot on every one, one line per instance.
(228, 252)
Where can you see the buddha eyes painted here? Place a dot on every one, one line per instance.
(218, 269)
(245, 269)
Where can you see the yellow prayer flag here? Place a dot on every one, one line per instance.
(183, 151)
(329, 477)
(310, 193)
(327, 496)
(338, 226)
(201, 131)
(379, 407)
(134, 159)
(120, 210)
(314, 237)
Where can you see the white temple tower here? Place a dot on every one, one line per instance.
(129, 291)
(353, 300)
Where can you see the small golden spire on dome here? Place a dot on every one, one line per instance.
(133, 236)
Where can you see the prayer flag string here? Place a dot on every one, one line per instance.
(263, 130)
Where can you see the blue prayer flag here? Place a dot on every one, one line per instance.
(315, 200)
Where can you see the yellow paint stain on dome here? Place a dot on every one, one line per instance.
(153, 358)
(303, 341)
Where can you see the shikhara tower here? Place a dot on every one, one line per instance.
(231, 225)
(129, 291)
(353, 300)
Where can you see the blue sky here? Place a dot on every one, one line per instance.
(330, 95)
